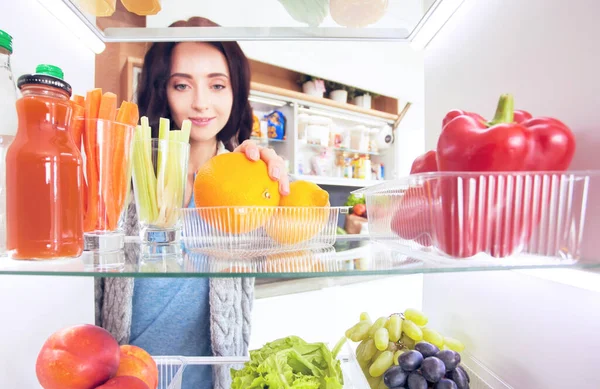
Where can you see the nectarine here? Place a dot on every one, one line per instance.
(124, 382)
(78, 357)
(136, 362)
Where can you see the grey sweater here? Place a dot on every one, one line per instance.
(230, 301)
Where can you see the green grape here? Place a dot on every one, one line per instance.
(397, 355)
(393, 347)
(416, 317)
(381, 338)
(394, 326)
(366, 350)
(408, 342)
(412, 330)
(381, 364)
(377, 354)
(433, 337)
(365, 316)
(374, 381)
(453, 344)
(379, 323)
(359, 331)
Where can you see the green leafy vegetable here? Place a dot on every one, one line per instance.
(353, 200)
(311, 12)
(290, 363)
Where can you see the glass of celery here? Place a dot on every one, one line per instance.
(159, 176)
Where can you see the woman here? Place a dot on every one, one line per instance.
(209, 84)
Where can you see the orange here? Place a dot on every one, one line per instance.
(302, 214)
(235, 183)
(294, 262)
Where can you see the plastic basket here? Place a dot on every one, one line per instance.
(253, 231)
(170, 372)
(470, 215)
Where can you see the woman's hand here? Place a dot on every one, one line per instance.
(275, 163)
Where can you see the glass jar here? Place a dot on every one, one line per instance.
(8, 125)
(44, 172)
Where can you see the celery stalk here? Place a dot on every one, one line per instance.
(145, 181)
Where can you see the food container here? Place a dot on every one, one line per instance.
(170, 372)
(460, 216)
(252, 231)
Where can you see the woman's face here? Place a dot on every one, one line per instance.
(199, 89)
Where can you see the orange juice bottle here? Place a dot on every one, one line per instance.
(142, 7)
(44, 171)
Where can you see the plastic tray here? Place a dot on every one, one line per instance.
(170, 372)
(252, 231)
(449, 216)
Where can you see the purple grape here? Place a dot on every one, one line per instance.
(460, 378)
(445, 383)
(427, 349)
(464, 372)
(395, 377)
(410, 360)
(450, 358)
(433, 369)
(416, 381)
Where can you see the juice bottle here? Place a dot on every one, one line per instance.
(8, 124)
(44, 172)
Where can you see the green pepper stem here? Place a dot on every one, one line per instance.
(505, 112)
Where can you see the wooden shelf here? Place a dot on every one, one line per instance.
(322, 101)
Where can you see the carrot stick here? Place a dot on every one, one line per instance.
(92, 107)
(106, 141)
(76, 131)
(127, 114)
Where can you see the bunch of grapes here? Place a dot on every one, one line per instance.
(385, 341)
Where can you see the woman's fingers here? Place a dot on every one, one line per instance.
(277, 169)
(275, 164)
(250, 148)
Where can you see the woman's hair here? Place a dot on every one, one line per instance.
(152, 90)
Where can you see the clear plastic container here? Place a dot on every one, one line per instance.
(170, 372)
(463, 215)
(252, 231)
(8, 126)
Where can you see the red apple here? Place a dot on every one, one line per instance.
(136, 362)
(124, 382)
(78, 357)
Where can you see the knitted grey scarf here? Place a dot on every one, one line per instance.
(230, 302)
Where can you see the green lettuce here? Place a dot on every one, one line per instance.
(290, 363)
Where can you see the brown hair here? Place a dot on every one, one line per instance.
(152, 90)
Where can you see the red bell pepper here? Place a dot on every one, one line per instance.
(468, 216)
(411, 219)
(425, 163)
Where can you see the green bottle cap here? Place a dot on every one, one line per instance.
(50, 70)
(6, 41)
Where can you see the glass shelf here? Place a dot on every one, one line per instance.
(351, 256)
(268, 20)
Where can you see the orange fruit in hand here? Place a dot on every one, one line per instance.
(304, 214)
(232, 180)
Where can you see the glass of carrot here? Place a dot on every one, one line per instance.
(107, 140)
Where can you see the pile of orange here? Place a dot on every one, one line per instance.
(237, 196)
